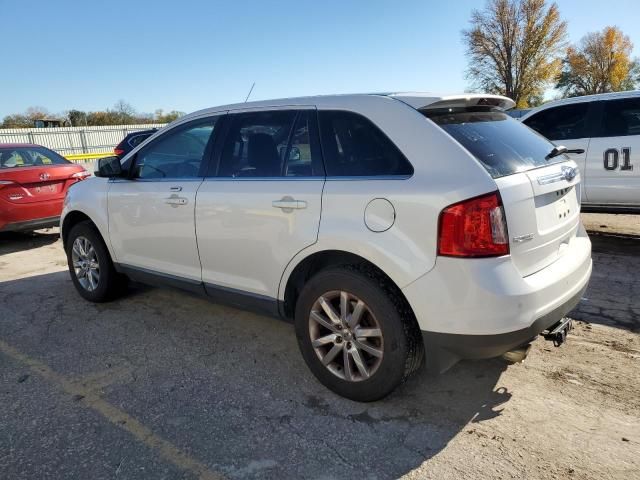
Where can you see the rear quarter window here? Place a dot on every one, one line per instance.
(354, 147)
(504, 146)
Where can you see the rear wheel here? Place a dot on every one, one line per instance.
(355, 335)
(90, 265)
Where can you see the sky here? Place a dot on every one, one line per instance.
(191, 54)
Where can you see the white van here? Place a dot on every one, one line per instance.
(606, 128)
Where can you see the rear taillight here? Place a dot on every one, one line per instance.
(118, 151)
(81, 175)
(474, 228)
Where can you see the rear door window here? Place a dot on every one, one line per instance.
(504, 146)
(566, 122)
(620, 118)
(270, 144)
(354, 147)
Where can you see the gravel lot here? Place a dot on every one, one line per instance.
(162, 384)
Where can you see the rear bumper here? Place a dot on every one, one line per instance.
(445, 349)
(31, 224)
(483, 308)
(29, 216)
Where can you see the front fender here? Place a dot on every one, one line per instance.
(89, 197)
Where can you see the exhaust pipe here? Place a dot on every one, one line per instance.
(517, 355)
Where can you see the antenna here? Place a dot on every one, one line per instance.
(250, 90)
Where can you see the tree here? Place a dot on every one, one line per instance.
(16, 120)
(161, 117)
(514, 48)
(78, 118)
(124, 112)
(26, 119)
(600, 63)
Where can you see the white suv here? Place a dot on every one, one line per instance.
(379, 224)
(603, 133)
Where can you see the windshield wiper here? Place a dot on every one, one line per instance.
(560, 149)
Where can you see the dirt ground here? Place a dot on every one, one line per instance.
(161, 384)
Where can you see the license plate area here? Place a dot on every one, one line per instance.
(44, 188)
(555, 208)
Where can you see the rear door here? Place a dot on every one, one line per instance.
(151, 214)
(542, 207)
(261, 204)
(613, 176)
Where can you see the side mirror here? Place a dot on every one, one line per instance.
(109, 167)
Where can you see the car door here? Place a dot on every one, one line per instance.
(567, 125)
(261, 203)
(613, 176)
(151, 213)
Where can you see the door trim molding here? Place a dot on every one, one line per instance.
(233, 297)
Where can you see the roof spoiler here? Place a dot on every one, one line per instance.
(428, 102)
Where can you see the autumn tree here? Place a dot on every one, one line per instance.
(600, 63)
(514, 48)
(26, 119)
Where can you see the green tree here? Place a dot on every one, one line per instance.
(514, 48)
(161, 117)
(77, 118)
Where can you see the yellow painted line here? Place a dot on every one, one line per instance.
(87, 156)
(114, 415)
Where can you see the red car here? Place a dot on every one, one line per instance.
(33, 183)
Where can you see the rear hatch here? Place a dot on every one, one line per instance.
(540, 191)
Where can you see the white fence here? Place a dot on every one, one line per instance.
(73, 140)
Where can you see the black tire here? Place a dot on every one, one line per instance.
(110, 283)
(402, 345)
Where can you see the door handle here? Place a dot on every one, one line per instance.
(175, 201)
(175, 189)
(288, 204)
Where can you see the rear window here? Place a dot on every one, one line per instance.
(504, 146)
(29, 157)
(138, 139)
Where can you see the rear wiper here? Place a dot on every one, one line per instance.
(561, 149)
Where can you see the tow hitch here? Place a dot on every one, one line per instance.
(557, 333)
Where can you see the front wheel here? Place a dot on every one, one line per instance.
(90, 265)
(355, 335)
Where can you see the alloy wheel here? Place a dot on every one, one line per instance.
(85, 263)
(346, 336)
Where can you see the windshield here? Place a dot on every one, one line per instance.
(504, 146)
(14, 157)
